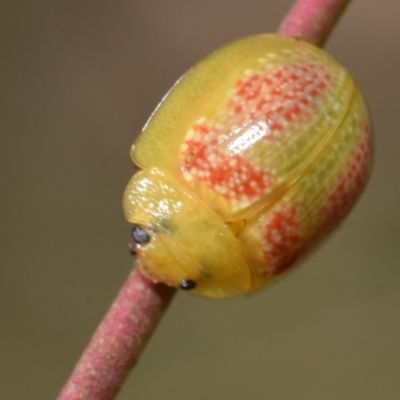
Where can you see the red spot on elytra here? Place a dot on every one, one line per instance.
(350, 183)
(230, 175)
(289, 93)
(282, 235)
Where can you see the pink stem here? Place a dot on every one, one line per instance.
(312, 20)
(121, 336)
(118, 341)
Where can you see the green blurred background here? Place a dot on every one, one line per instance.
(78, 81)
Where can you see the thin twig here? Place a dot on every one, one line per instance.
(118, 341)
(312, 20)
(121, 336)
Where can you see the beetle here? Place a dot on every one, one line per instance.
(249, 161)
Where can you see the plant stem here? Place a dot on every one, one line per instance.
(118, 341)
(121, 336)
(312, 20)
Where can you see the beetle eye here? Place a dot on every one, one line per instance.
(139, 235)
(188, 284)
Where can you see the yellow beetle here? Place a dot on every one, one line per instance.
(252, 158)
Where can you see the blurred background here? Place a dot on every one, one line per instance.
(78, 81)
